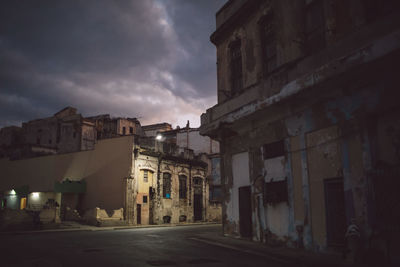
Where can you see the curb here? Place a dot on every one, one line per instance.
(103, 228)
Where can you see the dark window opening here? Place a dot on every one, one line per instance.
(38, 141)
(236, 67)
(123, 130)
(131, 130)
(215, 193)
(275, 192)
(145, 176)
(50, 141)
(315, 26)
(166, 185)
(273, 150)
(144, 199)
(182, 186)
(198, 181)
(268, 42)
(74, 135)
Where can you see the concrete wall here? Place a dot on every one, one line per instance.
(104, 170)
(240, 177)
(200, 144)
(276, 215)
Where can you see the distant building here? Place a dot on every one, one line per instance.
(108, 127)
(153, 129)
(308, 122)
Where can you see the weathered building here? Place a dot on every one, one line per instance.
(153, 129)
(64, 132)
(120, 181)
(307, 121)
(107, 127)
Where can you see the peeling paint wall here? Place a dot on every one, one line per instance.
(240, 177)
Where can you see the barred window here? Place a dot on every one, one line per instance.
(145, 176)
(182, 186)
(166, 185)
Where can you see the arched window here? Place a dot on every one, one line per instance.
(182, 186)
(166, 185)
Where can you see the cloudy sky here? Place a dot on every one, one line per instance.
(150, 59)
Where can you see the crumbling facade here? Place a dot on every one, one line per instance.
(307, 122)
(107, 127)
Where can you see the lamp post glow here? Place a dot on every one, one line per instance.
(158, 137)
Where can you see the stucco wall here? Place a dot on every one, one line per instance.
(197, 142)
(240, 173)
(103, 168)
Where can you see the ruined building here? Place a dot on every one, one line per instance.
(107, 127)
(308, 121)
(66, 131)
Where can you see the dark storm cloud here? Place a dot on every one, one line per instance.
(143, 58)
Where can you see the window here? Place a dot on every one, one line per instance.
(74, 135)
(145, 176)
(38, 141)
(215, 193)
(144, 199)
(197, 181)
(166, 185)
(273, 150)
(182, 186)
(236, 67)
(123, 130)
(50, 141)
(315, 26)
(275, 192)
(131, 130)
(268, 43)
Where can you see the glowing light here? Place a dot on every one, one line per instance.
(35, 194)
(159, 137)
(12, 192)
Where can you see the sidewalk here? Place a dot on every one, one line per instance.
(280, 254)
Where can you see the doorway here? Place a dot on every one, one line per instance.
(335, 211)
(245, 211)
(139, 213)
(198, 207)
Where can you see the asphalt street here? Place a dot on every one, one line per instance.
(156, 246)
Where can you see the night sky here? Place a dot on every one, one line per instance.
(141, 58)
